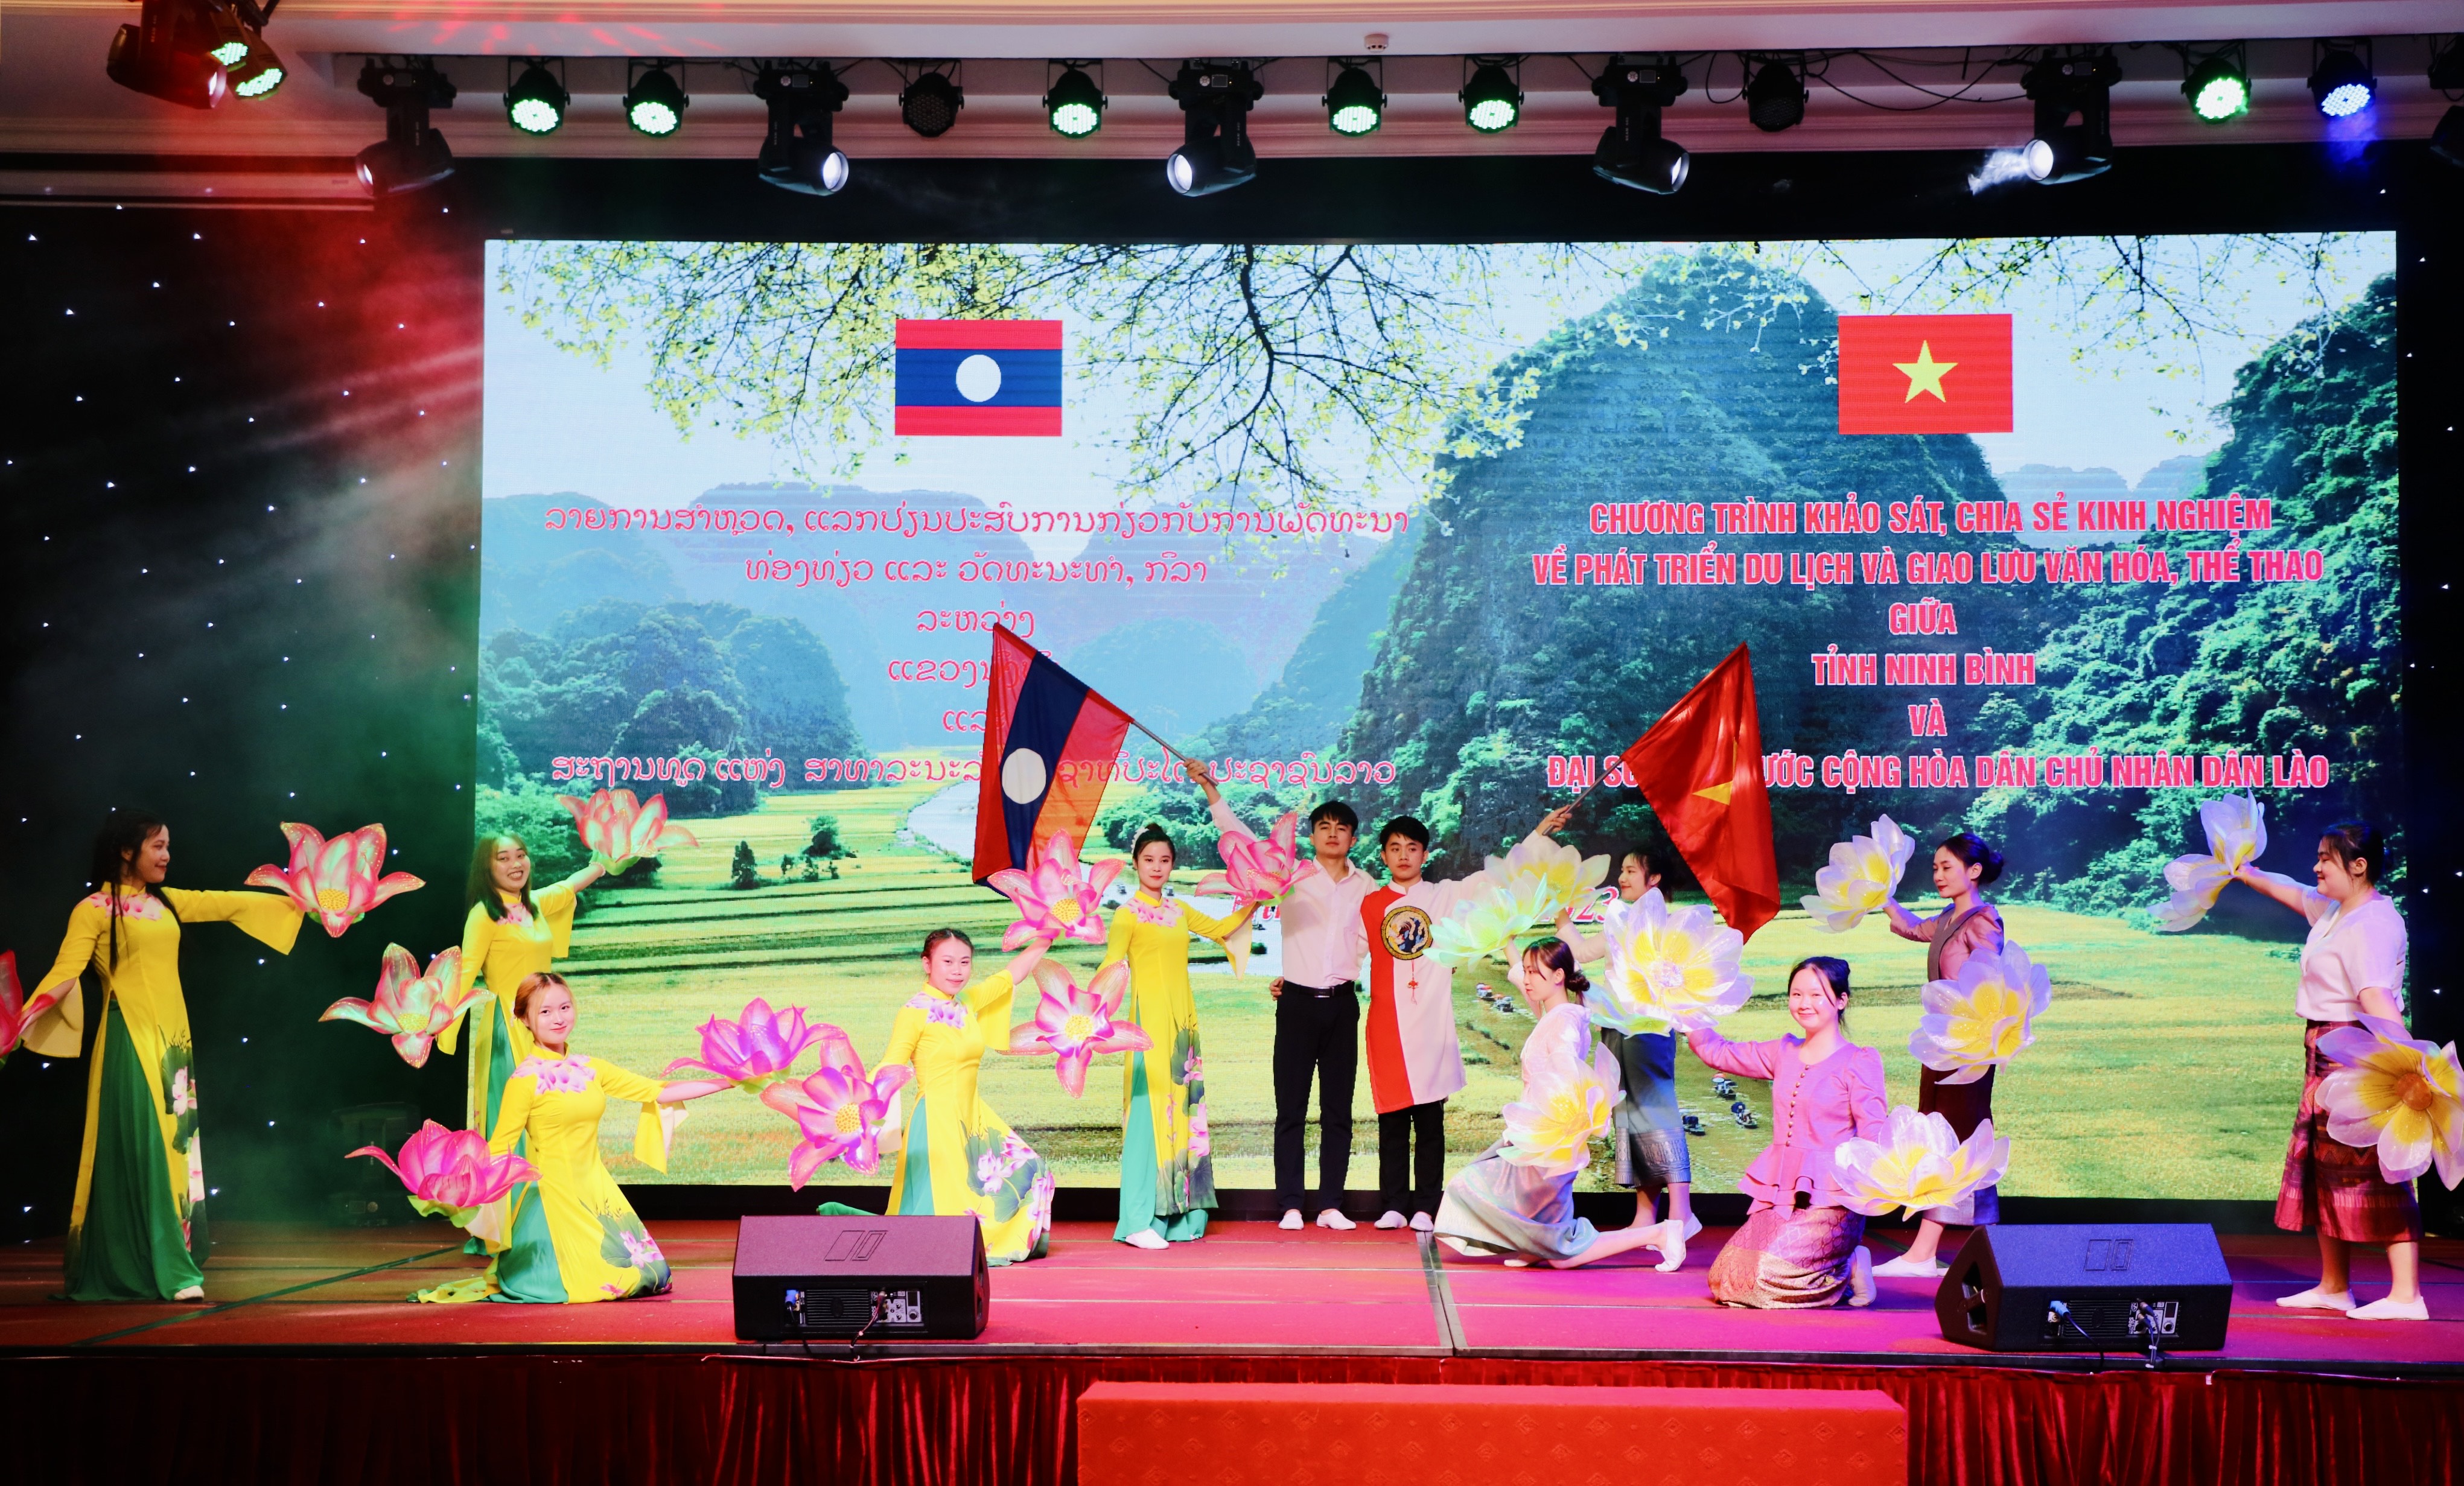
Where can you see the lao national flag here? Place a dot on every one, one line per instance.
(1924, 374)
(978, 377)
(1050, 743)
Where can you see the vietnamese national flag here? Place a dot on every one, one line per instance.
(976, 377)
(1050, 743)
(1924, 374)
(1701, 765)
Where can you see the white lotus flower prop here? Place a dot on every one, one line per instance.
(2236, 830)
(2402, 1096)
(1667, 966)
(1922, 1166)
(1984, 1019)
(1487, 924)
(1567, 1102)
(1541, 871)
(1864, 875)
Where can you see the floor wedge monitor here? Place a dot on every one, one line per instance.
(880, 1278)
(2076, 1287)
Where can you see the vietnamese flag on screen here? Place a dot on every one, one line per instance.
(1050, 744)
(977, 376)
(1701, 765)
(1924, 374)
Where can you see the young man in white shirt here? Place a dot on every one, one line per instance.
(1317, 1010)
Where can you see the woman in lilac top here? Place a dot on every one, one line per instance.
(1968, 924)
(1799, 1247)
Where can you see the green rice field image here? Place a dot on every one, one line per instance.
(2167, 1066)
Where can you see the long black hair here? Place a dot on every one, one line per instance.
(115, 856)
(480, 891)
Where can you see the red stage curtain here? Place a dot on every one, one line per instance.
(546, 1419)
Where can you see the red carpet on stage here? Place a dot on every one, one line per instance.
(305, 1364)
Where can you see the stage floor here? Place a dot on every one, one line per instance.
(1248, 1288)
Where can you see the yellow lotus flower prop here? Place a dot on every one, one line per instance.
(1922, 1166)
(2402, 1096)
(1863, 874)
(2237, 835)
(1984, 1019)
(1540, 872)
(1566, 1103)
(1487, 924)
(1675, 966)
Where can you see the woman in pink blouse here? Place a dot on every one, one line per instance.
(1966, 926)
(1799, 1247)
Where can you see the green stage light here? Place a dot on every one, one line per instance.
(1491, 101)
(1076, 105)
(259, 72)
(2218, 88)
(655, 103)
(1354, 105)
(536, 102)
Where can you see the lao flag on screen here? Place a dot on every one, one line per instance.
(978, 377)
(1050, 743)
(1924, 374)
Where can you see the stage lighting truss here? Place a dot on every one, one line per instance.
(196, 52)
(1490, 100)
(929, 104)
(2217, 84)
(2078, 86)
(2341, 82)
(796, 154)
(1215, 153)
(1075, 104)
(654, 100)
(1355, 103)
(535, 102)
(413, 154)
(1775, 94)
(1631, 152)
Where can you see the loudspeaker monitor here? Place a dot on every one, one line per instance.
(2011, 1286)
(884, 1278)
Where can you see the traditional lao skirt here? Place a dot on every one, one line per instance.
(2332, 1187)
(1788, 1258)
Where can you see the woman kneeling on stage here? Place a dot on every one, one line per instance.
(2352, 967)
(1799, 1248)
(571, 1235)
(1500, 1206)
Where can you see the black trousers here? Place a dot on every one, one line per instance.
(1412, 1148)
(1317, 1035)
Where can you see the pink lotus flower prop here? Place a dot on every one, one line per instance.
(757, 1051)
(2402, 1097)
(335, 879)
(2236, 837)
(1073, 1023)
(1923, 1167)
(1055, 898)
(410, 1007)
(451, 1174)
(1260, 871)
(17, 1014)
(621, 830)
(842, 1114)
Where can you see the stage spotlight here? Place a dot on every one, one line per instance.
(796, 154)
(169, 55)
(412, 155)
(655, 103)
(2064, 88)
(931, 103)
(1491, 101)
(1215, 153)
(1631, 152)
(259, 72)
(2341, 84)
(536, 102)
(2218, 87)
(1354, 104)
(1076, 105)
(1775, 97)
